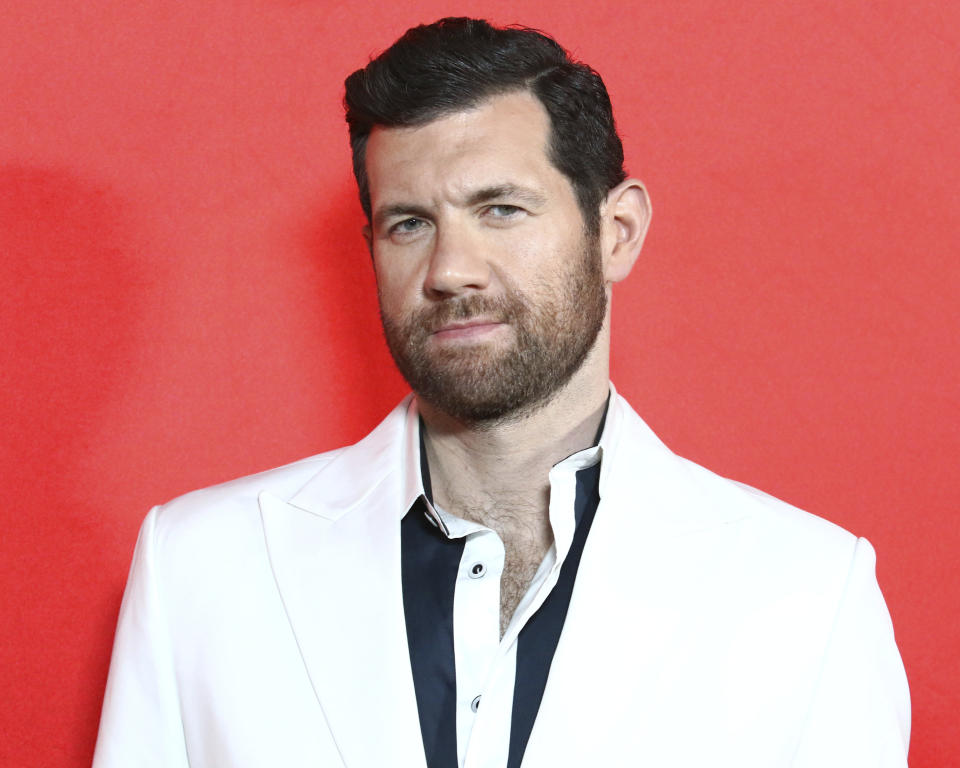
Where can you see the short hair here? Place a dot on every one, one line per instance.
(455, 63)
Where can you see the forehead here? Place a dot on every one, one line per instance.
(502, 140)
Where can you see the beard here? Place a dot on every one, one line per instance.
(478, 384)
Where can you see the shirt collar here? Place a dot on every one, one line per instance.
(417, 485)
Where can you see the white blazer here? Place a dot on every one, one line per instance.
(710, 625)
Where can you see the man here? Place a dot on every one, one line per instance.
(511, 568)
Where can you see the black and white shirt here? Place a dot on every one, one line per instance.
(478, 694)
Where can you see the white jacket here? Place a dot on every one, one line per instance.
(710, 625)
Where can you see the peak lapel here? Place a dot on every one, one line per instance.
(340, 586)
(335, 553)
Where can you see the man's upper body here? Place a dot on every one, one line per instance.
(710, 624)
(675, 618)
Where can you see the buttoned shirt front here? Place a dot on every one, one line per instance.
(478, 694)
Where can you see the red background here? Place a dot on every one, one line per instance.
(187, 297)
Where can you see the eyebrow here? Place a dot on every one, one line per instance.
(480, 196)
(512, 191)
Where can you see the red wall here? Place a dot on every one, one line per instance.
(187, 298)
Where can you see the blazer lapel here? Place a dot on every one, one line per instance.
(335, 553)
(654, 545)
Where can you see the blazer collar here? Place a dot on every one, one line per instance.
(339, 574)
(635, 464)
(384, 467)
(658, 493)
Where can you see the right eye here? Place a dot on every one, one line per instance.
(407, 226)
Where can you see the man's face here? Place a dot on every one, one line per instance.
(491, 293)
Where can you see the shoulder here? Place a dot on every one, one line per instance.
(768, 514)
(684, 497)
(234, 505)
(791, 549)
(232, 509)
(760, 558)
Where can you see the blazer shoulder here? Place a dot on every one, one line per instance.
(235, 501)
(225, 511)
(801, 538)
(688, 497)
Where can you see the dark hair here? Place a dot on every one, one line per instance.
(455, 63)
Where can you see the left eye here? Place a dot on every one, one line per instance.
(503, 211)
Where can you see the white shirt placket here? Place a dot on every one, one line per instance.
(485, 663)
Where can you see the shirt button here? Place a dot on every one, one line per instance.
(475, 704)
(477, 570)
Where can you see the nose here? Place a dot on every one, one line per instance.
(458, 263)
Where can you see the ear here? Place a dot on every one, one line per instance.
(624, 219)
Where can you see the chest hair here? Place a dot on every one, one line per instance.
(519, 568)
(526, 535)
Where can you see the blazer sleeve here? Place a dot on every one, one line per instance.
(140, 724)
(860, 713)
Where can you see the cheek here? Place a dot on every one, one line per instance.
(527, 255)
(543, 260)
(397, 289)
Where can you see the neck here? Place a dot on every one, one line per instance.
(498, 474)
(476, 470)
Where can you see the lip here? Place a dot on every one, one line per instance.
(467, 329)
